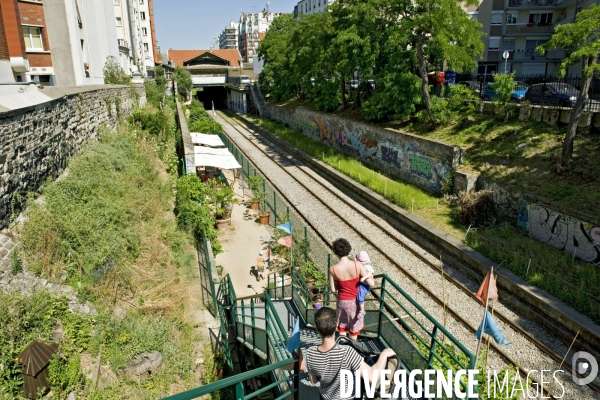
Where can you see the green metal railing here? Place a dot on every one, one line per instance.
(237, 382)
(392, 316)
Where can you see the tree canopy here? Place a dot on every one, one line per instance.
(581, 40)
(389, 45)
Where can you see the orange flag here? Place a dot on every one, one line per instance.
(482, 293)
(286, 241)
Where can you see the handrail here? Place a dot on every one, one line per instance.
(230, 381)
(433, 320)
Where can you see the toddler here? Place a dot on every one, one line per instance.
(366, 282)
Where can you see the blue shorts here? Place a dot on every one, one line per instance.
(363, 290)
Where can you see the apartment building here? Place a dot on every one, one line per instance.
(56, 42)
(82, 36)
(228, 39)
(251, 31)
(519, 27)
(311, 7)
(24, 45)
(148, 34)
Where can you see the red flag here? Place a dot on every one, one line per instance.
(286, 241)
(482, 293)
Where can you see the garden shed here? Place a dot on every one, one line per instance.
(34, 360)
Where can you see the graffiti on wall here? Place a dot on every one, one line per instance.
(387, 152)
(563, 232)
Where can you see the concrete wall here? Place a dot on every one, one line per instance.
(425, 163)
(38, 138)
(567, 230)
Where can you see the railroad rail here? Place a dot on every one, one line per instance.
(276, 144)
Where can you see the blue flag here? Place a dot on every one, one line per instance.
(294, 342)
(492, 329)
(287, 227)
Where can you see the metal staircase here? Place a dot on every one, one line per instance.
(263, 323)
(259, 100)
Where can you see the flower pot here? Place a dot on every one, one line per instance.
(310, 282)
(222, 224)
(264, 218)
(255, 205)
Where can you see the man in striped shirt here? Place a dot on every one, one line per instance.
(325, 362)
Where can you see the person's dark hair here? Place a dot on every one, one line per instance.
(341, 247)
(326, 321)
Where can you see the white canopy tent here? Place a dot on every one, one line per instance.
(206, 139)
(211, 157)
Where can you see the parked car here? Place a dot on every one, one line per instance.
(353, 85)
(475, 86)
(516, 96)
(553, 93)
(244, 80)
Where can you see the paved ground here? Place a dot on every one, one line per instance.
(241, 243)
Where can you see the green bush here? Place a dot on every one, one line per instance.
(16, 265)
(63, 375)
(199, 120)
(193, 210)
(325, 95)
(155, 94)
(504, 85)
(113, 73)
(440, 112)
(394, 97)
(157, 123)
(183, 78)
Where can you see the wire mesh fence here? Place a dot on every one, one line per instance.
(549, 91)
(313, 250)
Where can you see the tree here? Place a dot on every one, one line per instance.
(436, 29)
(159, 77)
(276, 50)
(582, 40)
(183, 78)
(504, 85)
(113, 73)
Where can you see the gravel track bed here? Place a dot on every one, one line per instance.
(331, 227)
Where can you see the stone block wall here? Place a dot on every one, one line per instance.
(425, 163)
(38, 139)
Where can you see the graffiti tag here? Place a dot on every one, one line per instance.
(420, 165)
(565, 233)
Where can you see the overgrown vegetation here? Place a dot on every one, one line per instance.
(574, 282)
(199, 120)
(113, 73)
(183, 79)
(108, 226)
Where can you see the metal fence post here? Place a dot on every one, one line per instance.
(381, 302)
(265, 192)
(432, 347)
(306, 239)
(275, 205)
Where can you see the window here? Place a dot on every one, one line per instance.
(494, 43)
(141, 1)
(509, 45)
(117, 2)
(473, 15)
(540, 19)
(33, 38)
(143, 15)
(144, 31)
(578, 10)
(497, 17)
(119, 21)
(511, 18)
(146, 46)
(531, 46)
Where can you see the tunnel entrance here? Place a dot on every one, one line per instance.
(209, 94)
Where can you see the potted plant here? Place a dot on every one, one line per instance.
(312, 274)
(222, 200)
(264, 217)
(255, 184)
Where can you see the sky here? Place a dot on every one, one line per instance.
(193, 24)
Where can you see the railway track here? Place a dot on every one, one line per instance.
(317, 187)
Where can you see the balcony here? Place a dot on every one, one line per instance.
(531, 3)
(528, 29)
(123, 43)
(565, 21)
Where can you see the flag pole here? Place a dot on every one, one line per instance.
(487, 300)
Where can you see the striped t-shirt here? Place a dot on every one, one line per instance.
(326, 366)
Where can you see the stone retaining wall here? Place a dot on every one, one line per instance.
(39, 131)
(423, 162)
